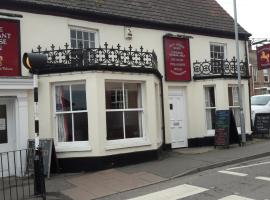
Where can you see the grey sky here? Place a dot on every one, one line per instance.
(252, 15)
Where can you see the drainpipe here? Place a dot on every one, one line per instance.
(162, 113)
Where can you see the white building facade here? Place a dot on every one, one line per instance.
(104, 114)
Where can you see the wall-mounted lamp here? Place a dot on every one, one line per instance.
(128, 33)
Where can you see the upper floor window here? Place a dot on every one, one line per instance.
(217, 51)
(83, 38)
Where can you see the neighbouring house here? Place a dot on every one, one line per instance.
(123, 78)
(259, 79)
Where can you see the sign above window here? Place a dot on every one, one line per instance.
(177, 59)
(263, 57)
(9, 48)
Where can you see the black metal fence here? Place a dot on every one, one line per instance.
(17, 175)
(114, 58)
(219, 69)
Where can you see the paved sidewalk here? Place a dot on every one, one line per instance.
(176, 163)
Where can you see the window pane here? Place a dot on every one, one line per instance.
(133, 124)
(79, 43)
(73, 44)
(114, 125)
(236, 113)
(92, 44)
(79, 35)
(64, 123)
(78, 97)
(62, 95)
(85, 36)
(92, 36)
(86, 44)
(80, 126)
(3, 125)
(133, 95)
(114, 95)
(235, 96)
(210, 118)
(217, 48)
(230, 94)
(73, 34)
(210, 97)
(222, 49)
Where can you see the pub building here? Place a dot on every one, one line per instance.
(121, 82)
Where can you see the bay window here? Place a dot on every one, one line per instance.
(124, 110)
(71, 112)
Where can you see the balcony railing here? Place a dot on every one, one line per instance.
(219, 69)
(107, 59)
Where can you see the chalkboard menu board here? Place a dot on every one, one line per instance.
(48, 153)
(225, 130)
(262, 123)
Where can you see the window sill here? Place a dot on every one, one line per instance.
(127, 143)
(84, 146)
(210, 132)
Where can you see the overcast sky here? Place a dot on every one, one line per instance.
(253, 15)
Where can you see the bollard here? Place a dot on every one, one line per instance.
(39, 179)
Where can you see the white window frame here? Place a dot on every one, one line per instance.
(129, 142)
(235, 87)
(89, 30)
(219, 44)
(210, 132)
(74, 145)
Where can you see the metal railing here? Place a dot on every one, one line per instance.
(17, 175)
(101, 58)
(219, 69)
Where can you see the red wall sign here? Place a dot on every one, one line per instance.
(263, 57)
(10, 48)
(177, 60)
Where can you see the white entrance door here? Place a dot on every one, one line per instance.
(178, 120)
(7, 135)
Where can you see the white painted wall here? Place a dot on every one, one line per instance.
(45, 30)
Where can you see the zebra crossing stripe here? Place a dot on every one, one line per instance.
(263, 178)
(235, 197)
(173, 193)
(233, 173)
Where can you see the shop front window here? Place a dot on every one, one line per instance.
(71, 112)
(124, 110)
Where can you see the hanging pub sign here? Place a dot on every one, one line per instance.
(263, 57)
(177, 59)
(9, 47)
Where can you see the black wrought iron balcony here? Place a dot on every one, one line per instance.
(219, 69)
(106, 59)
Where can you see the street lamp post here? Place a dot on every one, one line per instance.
(33, 62)
(242, 118)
